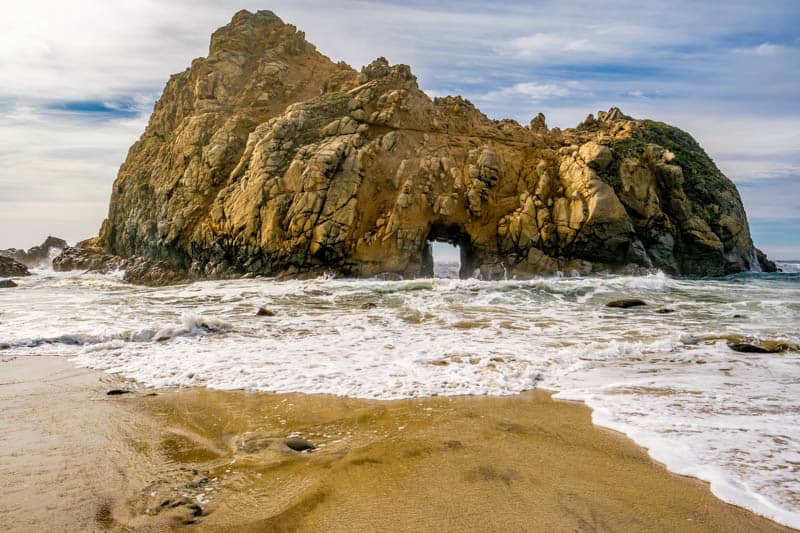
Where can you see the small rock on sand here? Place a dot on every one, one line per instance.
(624, 303)
(117, 392)
(7, 284)
(263, 311)
(299, 445)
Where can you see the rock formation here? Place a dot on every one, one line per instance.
(37, 255)
(9, 268)
(268, 158)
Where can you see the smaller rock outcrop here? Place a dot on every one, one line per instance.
(11, 268)
(89, 256)
(38, 255)
(625, 303)
(764, 262)
(762, 347)
(7, 284)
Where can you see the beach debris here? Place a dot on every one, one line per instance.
(665, 311)
(625, 303)
(7, 284)
(299, 444)
(118, 392)
(263, 311)
(369, 305)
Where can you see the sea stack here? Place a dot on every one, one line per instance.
(268, 158)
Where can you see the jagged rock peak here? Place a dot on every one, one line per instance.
(36, 256)
(380, 68)
(268, 158)
(611, 115)
(539, 123)
(249, 33)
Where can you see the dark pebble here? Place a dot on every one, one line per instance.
(7, 284)
(117, 392)
(195, 509)
(739, 316)
(369, 305)
(263, 311)
(299, 445)
(624, 303)
(665, 311)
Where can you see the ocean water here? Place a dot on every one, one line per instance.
(669, 381)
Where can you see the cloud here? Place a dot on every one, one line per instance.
(540, 45)
(56, 169)
(762, 50)
(530, 90)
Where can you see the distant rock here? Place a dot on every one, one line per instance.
(764, 347)
(665, 311)
(625, 303)
(38, 255)
(539, 123)
(266, 157)
(89, 256)
(12, 268)
(764, 262)
(263, 311)
(7, 284)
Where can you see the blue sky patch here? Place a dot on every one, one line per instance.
(98, 108)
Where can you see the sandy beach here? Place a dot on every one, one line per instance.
(73, 458)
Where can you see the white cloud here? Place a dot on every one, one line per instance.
(762, 50)
(529, 90)
(56, 172)
(547, 44)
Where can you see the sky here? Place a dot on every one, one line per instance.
(78, 80)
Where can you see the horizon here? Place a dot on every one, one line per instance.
(83, 84)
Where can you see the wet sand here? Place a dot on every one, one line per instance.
(74, 459)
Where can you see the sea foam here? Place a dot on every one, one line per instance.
(669, 381)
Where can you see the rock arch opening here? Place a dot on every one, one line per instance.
(447, 252)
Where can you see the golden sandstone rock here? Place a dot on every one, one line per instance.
(268, 158)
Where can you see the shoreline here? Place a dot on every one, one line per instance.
(74, 458)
